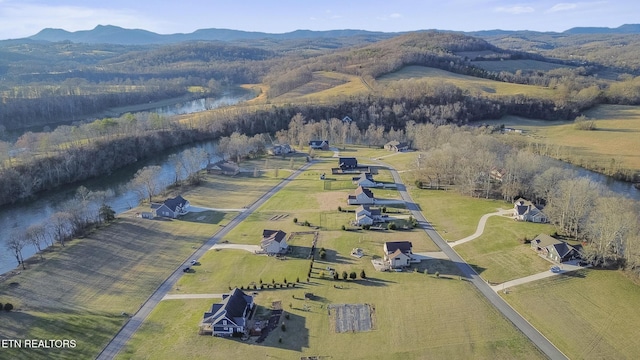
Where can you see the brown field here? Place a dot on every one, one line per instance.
(514, 65)
(476, 86)
(615, 141)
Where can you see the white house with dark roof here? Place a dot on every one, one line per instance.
(525, 210)
(274, 242)
(171, 208)
(228, 317)
(365, 180)
(367, 216)
(398, 254)
(397, 146)
(361, 196)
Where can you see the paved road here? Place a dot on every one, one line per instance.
(525, 327)
(245, 247)
(126, 332)
(564, 268)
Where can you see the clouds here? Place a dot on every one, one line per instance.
(515, 9)
(562, 7)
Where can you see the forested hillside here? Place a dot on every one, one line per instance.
(79, 80)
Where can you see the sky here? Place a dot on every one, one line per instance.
(23, 18)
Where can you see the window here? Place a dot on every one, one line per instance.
(224, 322)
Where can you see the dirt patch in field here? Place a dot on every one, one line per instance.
(331, 200)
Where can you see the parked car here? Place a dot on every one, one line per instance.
(555, 269)
(193, 262)
(186, 269)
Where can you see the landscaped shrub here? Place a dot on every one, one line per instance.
(295, 220)
(437, 274)
(384, 209)
(8, 307)
(344, 228)
(353, 275)
(260, 280)
(340, 208)
(323, 253)
(335, 276)
(298, 279)
(344, 275)
(418, 184)
(363, 275)
(366, 227)
(391, 226)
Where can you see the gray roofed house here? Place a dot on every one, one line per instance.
(223, 167)
(171, 208)
(274, 242)
(361, 196)
(229, 316)
(391, 246)
(525, 210)
(553, 248)
(347, 163)
(319, 144)
(395, 145)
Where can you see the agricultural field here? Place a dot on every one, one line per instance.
(81, 292)
(515, 65)
(430, 330)
(326, 85)
(476, 86)
(613, 145)
(591, 314)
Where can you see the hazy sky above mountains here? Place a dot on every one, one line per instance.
(22, 18)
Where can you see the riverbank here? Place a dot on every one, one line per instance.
(85, 290)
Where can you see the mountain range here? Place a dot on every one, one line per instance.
(110, 34)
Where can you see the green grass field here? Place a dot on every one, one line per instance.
(499, 255)
(416, 315)
(81, 291)
(591, 314)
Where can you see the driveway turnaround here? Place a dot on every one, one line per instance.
(467, 271)
(564, 268)
(119, 341)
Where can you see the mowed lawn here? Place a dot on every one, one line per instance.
(498, 255)
(416, 316)
(80, 292)
(592, 314)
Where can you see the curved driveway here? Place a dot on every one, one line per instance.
(118, 342)
(523, 325)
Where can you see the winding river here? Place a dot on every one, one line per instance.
(20, 216)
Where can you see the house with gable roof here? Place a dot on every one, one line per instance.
(365, 180)
(319, 144)
(397, 254)
(554, 249)
(228, 317)
(367, 216)
(274, 242)
(361, 196)
(525, 210)
(171, 208)
(396, 146)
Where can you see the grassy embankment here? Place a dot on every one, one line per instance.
(416, 315)
(81, 291)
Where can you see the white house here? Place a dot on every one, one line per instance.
(397, 254)
(365, 180)
(230, 316)
(361, 196)
(368, 216)
(274, 242)
(524, 210)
